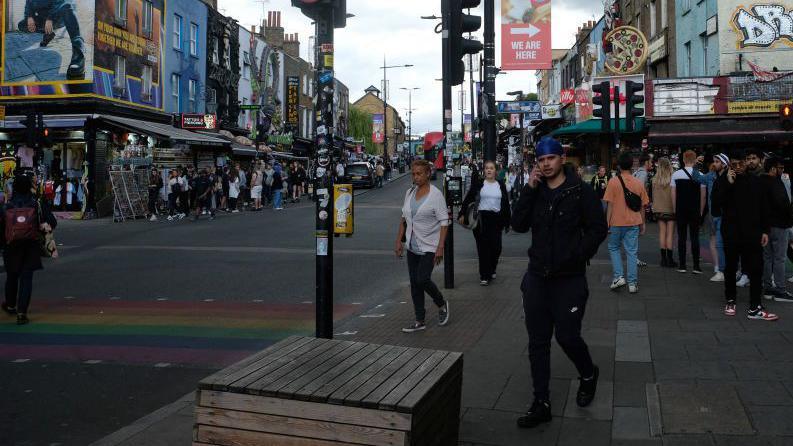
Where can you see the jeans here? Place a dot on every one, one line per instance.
(774, 259)
(63, 15)
(750, 255)
(277, 198)
(19, 287)
(488, 243)
(420, 268)
(719, 243)
(549, 304)
(688, 225)
(628, 237)
(171, 204)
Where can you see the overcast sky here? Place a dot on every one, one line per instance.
(395, 30)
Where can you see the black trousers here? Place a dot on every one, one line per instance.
(688, 225)
(750, 256)
(420, 268)
(555, 304)
(488, 243)
(19, 288)
(153, 202)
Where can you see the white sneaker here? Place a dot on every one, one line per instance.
(718, 277)
(743, 282)
(170, 218)
(235, 211)
(633, 288)
(790, 279)
(153, 218)
(618, 283)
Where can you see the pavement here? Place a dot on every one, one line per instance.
(674, 369)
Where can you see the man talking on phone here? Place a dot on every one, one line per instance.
(568, 225)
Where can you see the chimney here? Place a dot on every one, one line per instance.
(292, 45)
(273, 33)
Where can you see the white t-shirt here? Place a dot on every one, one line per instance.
(680, 175)
(234, 188)
(425, 228)
(171, 183)
(490, 197)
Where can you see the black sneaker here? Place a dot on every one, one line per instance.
(22, 319)
(414, 327)
(11, 311)
(47, 39)
(696, 269)
(540, 412)
(784, 296)
(443, 314)
(587, 389)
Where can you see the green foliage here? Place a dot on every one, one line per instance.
(361, 127)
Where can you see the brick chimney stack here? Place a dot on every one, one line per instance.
(273, 31)
(292, 45)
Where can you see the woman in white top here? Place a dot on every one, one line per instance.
(234, 190)
(425, 220)
(494, 217)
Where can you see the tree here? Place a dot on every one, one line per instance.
(361, 127)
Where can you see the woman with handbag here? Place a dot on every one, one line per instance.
(486, 211)
(23, 225)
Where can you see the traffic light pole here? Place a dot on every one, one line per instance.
(448, 258)
(489, 115)
(324, 174)
(616, 148)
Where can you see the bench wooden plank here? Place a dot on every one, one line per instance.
(293, 363)
(390, 400)
(445, 400)
(337, 369)
(219, 377)
(291, 389)
(338, 348)
(304, 409)
(451, 364)
(373, 399)
(242, 384)
(373, 376)
(315, 429)
(356, 373)
(219, 436)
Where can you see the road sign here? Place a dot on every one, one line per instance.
(250, 107)
(2, 111)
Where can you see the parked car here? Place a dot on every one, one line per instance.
(360, 175)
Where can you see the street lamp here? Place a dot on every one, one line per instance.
(385, 108)
(410, 110)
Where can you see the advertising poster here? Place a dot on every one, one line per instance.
(526, 34)
(532, 110)
(583, 104)
(756, 32)
(377, 129)
(292, 101)
(467, 127)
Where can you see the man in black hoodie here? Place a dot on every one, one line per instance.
(780, 220)
(567, 226)
(740, 195)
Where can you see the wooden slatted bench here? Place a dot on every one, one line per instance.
(306, 391)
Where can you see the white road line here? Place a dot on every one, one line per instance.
(92, 361)
(209, 300)
(69, 297)
(372, 315)
(346, 333)
(258, 301)
(115, 298)
(161, 299)
(161, 365)
(308, 302)
(355, 303)
(21, 360)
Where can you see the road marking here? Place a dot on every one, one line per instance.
(372, 315)
(346, 333)
(355, 303)
(115, 298)
(308, 302)
(161, 365)
(209, 300)
(92, 361)
(258, 301)
(161, 299)
(69, 297)
(403, 302)
(21, 360)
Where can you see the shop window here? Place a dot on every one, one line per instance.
(246, 65)
(146, 83)
(193, 39)
(652, 19)
(687, 47)
(148, 18)
(120, 79)
(193, 92)
(215, 51)
(121, 13)
(177, 32)
(176, 81)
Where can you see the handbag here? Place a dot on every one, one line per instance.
(633, 201)
(47, 245)
(471, 219)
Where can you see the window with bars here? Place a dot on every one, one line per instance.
(148, 18)
(121, 13)
(193, 92)
(177, 31)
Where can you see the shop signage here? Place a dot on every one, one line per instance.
(567, 96)
(551, 111)
(2, 111)
(292, 100)
(684, 97)
(526, 35)
(377, 128)
(280, 139)
(712, 25)
(199, 122)
(467, 126)
(531, 109)
(250, 107)
(583, 103)
(740, 107)
(629, 50)
(658, 47)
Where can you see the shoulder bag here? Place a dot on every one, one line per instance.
(633, 201)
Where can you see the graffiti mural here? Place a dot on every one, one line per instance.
(756, 32)
(764, 25)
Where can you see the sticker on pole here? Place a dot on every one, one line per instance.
(325, 77)
(322, 246)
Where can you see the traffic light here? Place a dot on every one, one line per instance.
(457, 24)
(42, 132)
(30, 122)
(311, 9)
(786, 116)
(601, 95)
(633, 102)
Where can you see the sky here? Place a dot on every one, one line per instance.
(394, 29)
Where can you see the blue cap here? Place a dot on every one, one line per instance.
(548, 146)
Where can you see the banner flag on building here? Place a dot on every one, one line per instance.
(467, 127)
(526, 35)
(377, 129)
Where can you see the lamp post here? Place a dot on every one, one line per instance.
(385, 109)
(410, 110)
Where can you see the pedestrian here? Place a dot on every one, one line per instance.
(257, 180)
(664, 211)
(226, 188)
(174, 189)
(278, 186)
(300, 180)
(379, 173)
(739, 195)
(234, 190)
(422, 231)
(626, 198)
(780, 221)
(567, 227)
(713, 220)
(599, 183)
(688, 199)
(493, 204)
(155, 184)
(203, 191)
(184, 195)
(24, 221)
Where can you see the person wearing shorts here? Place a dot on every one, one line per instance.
(256, 188)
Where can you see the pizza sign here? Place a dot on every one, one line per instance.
(629, 50)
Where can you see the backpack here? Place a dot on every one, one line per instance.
(20, 224)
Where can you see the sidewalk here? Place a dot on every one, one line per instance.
(674, 370)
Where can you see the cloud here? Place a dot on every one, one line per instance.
(396, 31)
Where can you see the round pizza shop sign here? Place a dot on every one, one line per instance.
(629, 50)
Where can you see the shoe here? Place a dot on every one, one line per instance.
(235, 211)
(47, 39)
(743, 282)
(153, 218)
(204, 213)
(784, 296)
(170, 218)
(540, 412)
(760, 314)
(76, 70)
(718, 277)
(729, 309)
(11, 311)
(769, 293)
(618, 283)
(493, 277)
(443, 314)
(696, 269)
(633, 288)
(664, 262)
(640, 263)
(484, 282)
(670, 259)
(682, 268)
(414, 327)
(587, 389)
(22, 319)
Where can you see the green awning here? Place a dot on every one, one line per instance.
(592, 126)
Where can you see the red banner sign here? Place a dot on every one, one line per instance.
(567, 96)
(526, 35)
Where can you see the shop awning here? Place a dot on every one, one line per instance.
(166, 131)
(717, 130)
(240, 150)
(592, 126)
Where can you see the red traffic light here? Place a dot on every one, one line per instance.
(786, 111)
(786, 116)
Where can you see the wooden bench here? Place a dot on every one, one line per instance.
(307, 391)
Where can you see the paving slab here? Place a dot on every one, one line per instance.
(688, 440)
(630, 423)
(764, 393)
(676, 370)
(630, 394)
(705, 408)
(494, 427)
(633, 372)
(600, 409)
(577, 432)
(772, 420)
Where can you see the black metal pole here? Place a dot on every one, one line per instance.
(490, 81)
(471, 85)
(448, 258)
(324, 175)
(385, 117)
(616, 148)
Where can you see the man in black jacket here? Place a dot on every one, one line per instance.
(779, 213)
(740, 197)
(567, 225)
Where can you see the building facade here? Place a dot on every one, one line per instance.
(657, 21)
(223, 70)
(185, 61)
(697, 41)
(395, 127)
(341, 108)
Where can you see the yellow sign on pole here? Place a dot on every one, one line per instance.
(344, 216)
(2, 111)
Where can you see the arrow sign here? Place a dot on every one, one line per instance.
(531, 31)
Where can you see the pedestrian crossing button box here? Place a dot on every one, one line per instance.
(454, 191)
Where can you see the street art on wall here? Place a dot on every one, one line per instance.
(759, 32)
(763, 25)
